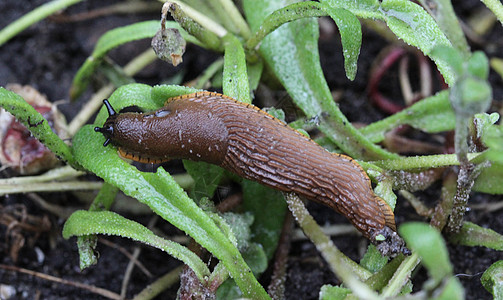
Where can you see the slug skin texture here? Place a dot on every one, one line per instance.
(249, 142)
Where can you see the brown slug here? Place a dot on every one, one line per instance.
(249, 142)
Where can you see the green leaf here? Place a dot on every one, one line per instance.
(206, 178)
(268, 208)
(433, 114)
(484, 121)
(497, 65)
(493, 138)
(329, 292)
(204, 7)
(384, 189)
(110, 40)
(373, 260)
(351, 37)
(87, 243)
(32, 17)
(255, 257)
(292, 53)
(105, 198)
(362, 8)
(474, 235)
(84, 223)
(451, 290)
(492, 280)
(443, 13)
(278, 113)
(113, 39)
(381, 278)
(452, 57)
(409, 21)
(35, 122)
(429, 244)
(240, 226)
(228, 290)
(161, 93)
(160, 192)
(470, 95)
(348, 25)
(254, 74)
(235, 81)
(489, 181)
(478, 65)
(416, 27)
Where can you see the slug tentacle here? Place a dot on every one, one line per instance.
(108, 129)
(251, 143)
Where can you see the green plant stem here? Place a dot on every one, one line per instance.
(210, 71)
(219, 275)
(105, 198)
(161, 284)
(54, 174)
(192, 15)
(50, 187)
(141, 61)
(496, 7)
(350, 272)
(401, 276)
(422, 162)
(232, 12)
(33, 17)
(497, 65)
(460, 136)
(431, 114)
(444, 208)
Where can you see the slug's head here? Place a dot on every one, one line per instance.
(108, 128)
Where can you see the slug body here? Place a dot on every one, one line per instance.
(247, 141)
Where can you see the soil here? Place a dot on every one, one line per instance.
(47, 56)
